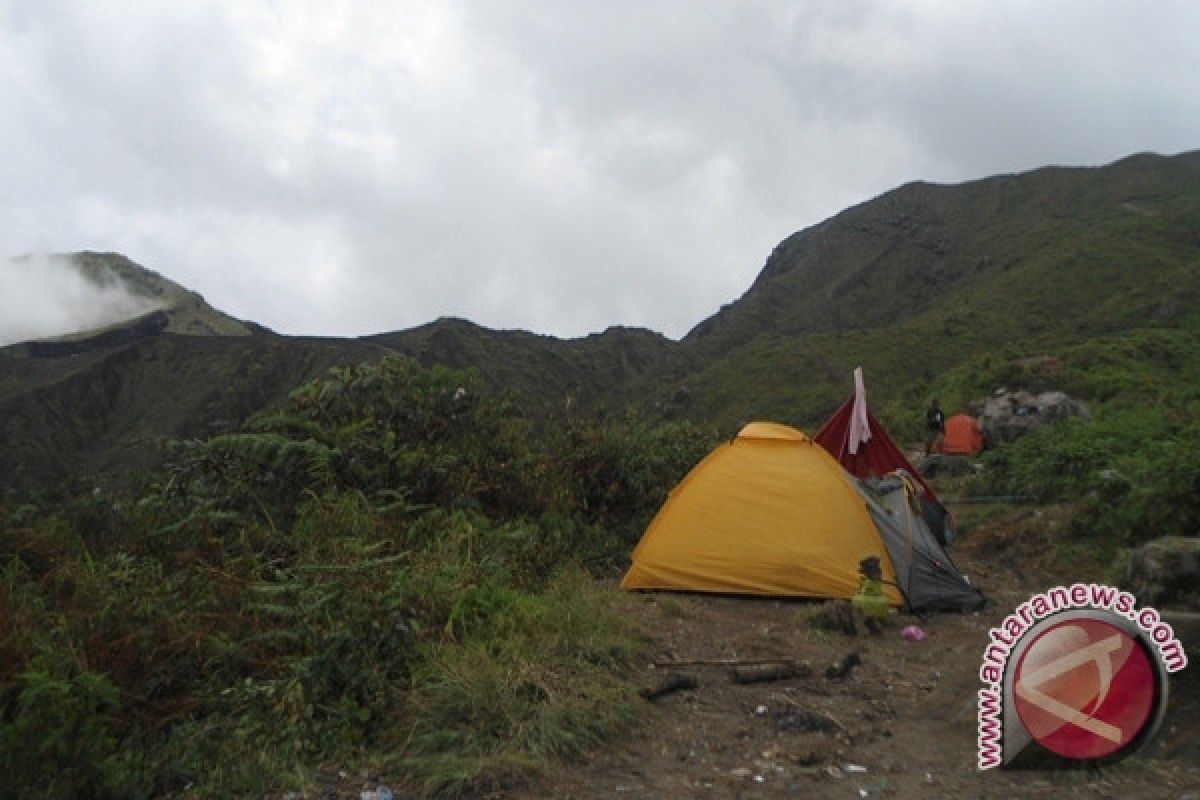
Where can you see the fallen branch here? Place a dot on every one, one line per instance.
(837, 722)
(723, 662)
(761, 673)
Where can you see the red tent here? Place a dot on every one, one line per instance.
(962, 436)
(875, 456)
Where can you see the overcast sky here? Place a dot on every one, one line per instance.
(353, 167)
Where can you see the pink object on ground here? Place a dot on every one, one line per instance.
(913, 634)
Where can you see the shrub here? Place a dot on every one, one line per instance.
(386, 568)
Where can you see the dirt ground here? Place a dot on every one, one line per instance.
(901, 725)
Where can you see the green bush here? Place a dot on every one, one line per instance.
(385, 569)
(58, 733)
(1134, 474)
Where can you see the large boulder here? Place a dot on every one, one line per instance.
(1057, 405)
(1007, 416)
(1165, 573)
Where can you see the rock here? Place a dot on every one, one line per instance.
(1007, 416)
(1165, 573)
(937, 464)
(1013, 428)
(842, 669)
(1057, 405)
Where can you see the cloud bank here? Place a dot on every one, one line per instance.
(43, 296)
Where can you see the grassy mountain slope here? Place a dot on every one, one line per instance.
(187, 312)
(1081, 232)
(105, 413)
(926, 277)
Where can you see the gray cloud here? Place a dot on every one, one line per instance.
(43, 296)
(354, 167)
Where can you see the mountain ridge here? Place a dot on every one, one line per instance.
(910, 284)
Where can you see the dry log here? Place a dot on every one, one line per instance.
(761, 673)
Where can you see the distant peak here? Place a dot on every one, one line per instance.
(81, 296)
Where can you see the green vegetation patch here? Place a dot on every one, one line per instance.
(1133, 468)
(388, 571)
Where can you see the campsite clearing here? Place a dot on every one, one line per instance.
(907, 714)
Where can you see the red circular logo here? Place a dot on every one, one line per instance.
(1084, 688)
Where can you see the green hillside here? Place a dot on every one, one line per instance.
(910, 285)
(1039, 237)
(560, 375)
(926, 277)
(103, 415)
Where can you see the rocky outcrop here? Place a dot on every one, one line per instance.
(1165, 573)
(1007, 416)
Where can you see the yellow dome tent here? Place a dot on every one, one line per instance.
(770, 513)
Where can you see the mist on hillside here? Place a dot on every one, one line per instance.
(44, 295)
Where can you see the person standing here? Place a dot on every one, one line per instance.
(935, 427)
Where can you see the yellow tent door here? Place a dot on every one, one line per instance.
(770, 513)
